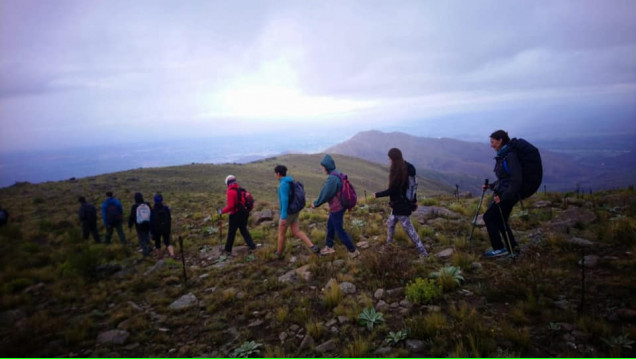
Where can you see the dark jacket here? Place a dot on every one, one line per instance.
(132, 218)
(509, 175)
(160, 220)
(87, 213)
(397, 196)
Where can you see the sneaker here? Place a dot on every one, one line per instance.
(354, 254)
(256, 246)
(315, 249)
(497, 253)
(327, 250)
(278, 255)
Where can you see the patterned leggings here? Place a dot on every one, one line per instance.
(408, 228)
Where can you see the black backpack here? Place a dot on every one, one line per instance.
(113, 216)
(296, 197)
(245, 201)
(411, 189)
(531, 166)
(161, 219)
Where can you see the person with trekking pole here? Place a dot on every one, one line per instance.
(506, 194)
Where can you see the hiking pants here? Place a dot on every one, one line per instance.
(156, 236)
(144, 241)
(335, 225)
(90, 229)
(497, 227)
(238, 221)
(405, 221)
(120, 233)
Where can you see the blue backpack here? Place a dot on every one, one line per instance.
(296, 197)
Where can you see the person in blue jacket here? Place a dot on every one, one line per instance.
(112, 214)
(330, 193)
(288, 219)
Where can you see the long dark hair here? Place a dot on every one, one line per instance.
(398, 174)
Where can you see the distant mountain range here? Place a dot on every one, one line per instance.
(467, 164)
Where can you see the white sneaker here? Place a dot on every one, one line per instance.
(354, 254)
(327, 250)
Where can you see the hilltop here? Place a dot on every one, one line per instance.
(62, 296)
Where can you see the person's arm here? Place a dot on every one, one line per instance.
(329, 190)
(283, 198)
(514, 183)
(232, 197)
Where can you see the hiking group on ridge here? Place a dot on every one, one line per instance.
(518, 170)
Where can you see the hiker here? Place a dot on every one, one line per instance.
(401, 207)
(88, 218)
(288, 219)
(506, 195)
(161, 225)
(140, 214)
(330, 193)
(4, 216)
(112, 213)
(238, 215)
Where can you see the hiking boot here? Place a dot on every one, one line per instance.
(256, 246)
(327, 250)
(354, 254)
(315, 249)
(496, 253)
(279, 256)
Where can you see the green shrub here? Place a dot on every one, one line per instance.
(369, 318)
(247, 349)
(16, 285)
(449, 277)
(423, 291)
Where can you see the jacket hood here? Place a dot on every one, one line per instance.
(287, 179)
(328, 163)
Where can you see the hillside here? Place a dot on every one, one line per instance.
(467, 163)
(63, 296)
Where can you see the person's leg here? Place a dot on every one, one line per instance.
(85, 230)
(120, 233)
(143, 237)
(338, 221)
(231, 233)
(390, 228)
(506, 210)
(282, 228)
(109, 233)
(331, 230)
(300, 234)
(412, 233)
(246, 233)
(168, 243)
(95, 233)
(492, 218)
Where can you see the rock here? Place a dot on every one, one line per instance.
(415, 346)
(34, 288)
(327, 346)
(433, 308)
(156, 266)
(347, 288)
(395, 292)
(295, 274)
(476, 265)
(331, 323)
(262, 216)
(343, 319)
(569, 218)
(626, 314)
(362, 244)
(378, 293)
(106, 270)
(405, 303)
(113, 337)
(580, 242)
(590, 261)
(185, 301)
(307, 342)
(10, 317)
(427, 212)
(444, 254)
(330, 283)
(134, 306)
(255, 323)
(339, 263)
(542, 204)
(383, 351)
(381, 306)
(282, 336)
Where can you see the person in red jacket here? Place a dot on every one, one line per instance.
(238, 219)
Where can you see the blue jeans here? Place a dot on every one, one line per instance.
(120, 233)
(335, 226)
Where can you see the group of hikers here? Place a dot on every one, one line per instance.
(402, 192)
(150, 221)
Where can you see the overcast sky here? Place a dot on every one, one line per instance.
(91, 72)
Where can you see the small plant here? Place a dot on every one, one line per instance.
(332, 295)
(250, 258)
(423, 291)
(247, 349)
(394, 338)
(369, 318)
(449, 277)
(359, 348)
(617, 344)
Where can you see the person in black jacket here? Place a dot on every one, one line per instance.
(506, 195)
(140, 214)
(88, 218)
(161, 225)
(400, 205)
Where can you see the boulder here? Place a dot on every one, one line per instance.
(113, 337)
(183, 302)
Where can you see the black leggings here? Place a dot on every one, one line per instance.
(157, 238)
(497, 227)
(238, 221)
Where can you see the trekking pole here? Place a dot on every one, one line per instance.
(220, 227)
(185, 275)
(470, 240)
(503, 221)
